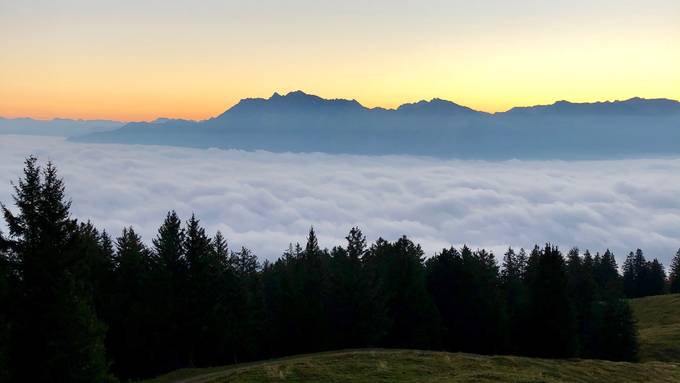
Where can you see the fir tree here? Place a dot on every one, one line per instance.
(199, 294)
(606, 275)
(399, 272)
(516, 298)
(130, 333)
(56, 335)
(552, 318)
(5, 302)
(221, 249)
(168, 279)
(634, 274)
(674, 275)
(655, 284)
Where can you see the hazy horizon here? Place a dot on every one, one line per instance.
(227, 107)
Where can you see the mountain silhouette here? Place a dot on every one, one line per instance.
(633, 106)
(56, 127)
(293, 103)
(300, 122)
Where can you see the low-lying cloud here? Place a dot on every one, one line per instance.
(264, 201)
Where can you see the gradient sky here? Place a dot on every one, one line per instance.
(140, 59)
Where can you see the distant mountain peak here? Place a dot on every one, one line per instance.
(435, 106)
(297, 102)
(299, 93)
(631, 106)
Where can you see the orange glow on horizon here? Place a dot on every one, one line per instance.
(181, 61)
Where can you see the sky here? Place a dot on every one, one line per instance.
(142, 59)
(266, 200)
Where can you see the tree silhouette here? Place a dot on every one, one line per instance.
(674, 277)
(189, 300)
(56, 335)
(552, 318)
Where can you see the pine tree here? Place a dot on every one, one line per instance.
(100, 266)
(466, 289)
(131, 328)
(516, 298)
(201, 297)
(5, 302)
(221, 249)
(606, 275)
(356, 245)
(168, 246)
(633, 269)
(168, 278)
(582, 291)
(674, 277)
(655, 283)
(314, 303)
(641, 277)
(399, 272)
(312, 246)
(356, 310)
(56, 335)
(552, 318)
(244, 305)
(617, 337)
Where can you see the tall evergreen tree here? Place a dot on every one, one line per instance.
(314, 302)
(606, 275)
(399, 271)
(552, 318)
(204, 280)
(168, 279)
(465, 286)
(635, 274)
(221, 249)
(674, 275)
(100, 266)
(130, 331)
(56, 335)
(641, 277)
(582, 291)
(244, 306)
(655, 283)
(516, 298)
(357, 310)
(5, 303)
(616, 337)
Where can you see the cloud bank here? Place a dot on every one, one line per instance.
(264, 201)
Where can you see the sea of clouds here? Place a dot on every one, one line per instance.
(265, 201)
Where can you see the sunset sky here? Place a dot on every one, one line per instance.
(141, 59)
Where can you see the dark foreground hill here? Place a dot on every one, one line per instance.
(658, 321)
(422, 366)
(299, 122)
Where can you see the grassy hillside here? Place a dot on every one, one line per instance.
(658, 321)
(419, 366)
(659, 324)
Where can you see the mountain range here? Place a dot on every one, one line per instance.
(300, 122)
(56, 127)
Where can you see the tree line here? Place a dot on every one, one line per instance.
(81, 306)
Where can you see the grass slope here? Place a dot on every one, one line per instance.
(659, 325)
(658, 322)
(425, 366)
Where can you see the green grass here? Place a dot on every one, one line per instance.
(659, 325)
(424, 366)
(658, 322)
